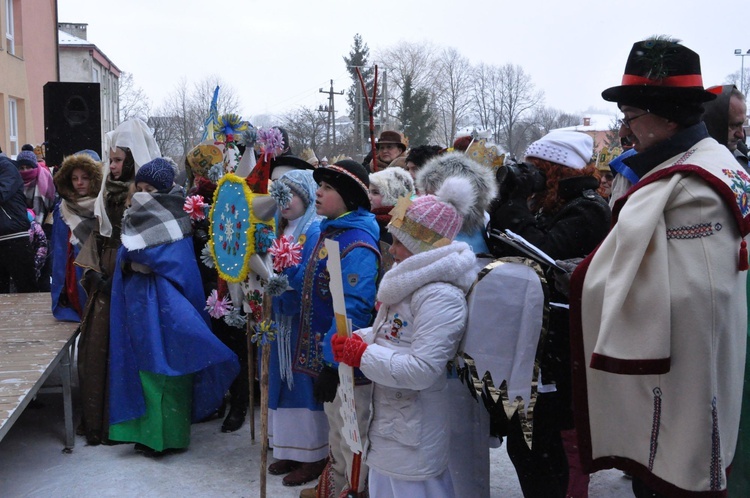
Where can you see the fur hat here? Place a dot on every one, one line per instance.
(393, 137)
(350, 180)
(432, 221)
(27, 158)
(392, 183)
(158, 172)
(565, 147)
(663, 77)
(432, 175)
(84, 162)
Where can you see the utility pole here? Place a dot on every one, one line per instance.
(332, 111)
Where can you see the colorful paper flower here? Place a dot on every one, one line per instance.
(206, 258)
(229, 125)
(194, 206)
(286, 253)
(277, 285)
(271, 142)
(235, 319)
(216, 172)
(265, 332)
(281, 193)
(216, 307)
(248, 137)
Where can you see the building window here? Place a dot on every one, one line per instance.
(10, 31)
(13, 127)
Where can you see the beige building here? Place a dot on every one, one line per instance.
(28, 60)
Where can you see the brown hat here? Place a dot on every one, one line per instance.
(393, 137)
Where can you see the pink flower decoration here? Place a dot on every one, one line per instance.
(271, 142)
(285, 252)
(216, 307)
(194, 207)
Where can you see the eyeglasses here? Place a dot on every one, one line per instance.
(626, 121)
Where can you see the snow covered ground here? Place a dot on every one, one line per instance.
(32, 465)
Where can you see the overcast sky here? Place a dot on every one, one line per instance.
(277, 54)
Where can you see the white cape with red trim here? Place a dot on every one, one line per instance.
(658, 327)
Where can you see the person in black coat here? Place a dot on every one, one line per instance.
(551, 201)
(17, 262)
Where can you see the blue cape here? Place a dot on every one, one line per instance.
(158, 324)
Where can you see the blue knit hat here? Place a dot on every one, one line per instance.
(27, 158)
(157, 172)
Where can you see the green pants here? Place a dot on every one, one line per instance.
(166, 424)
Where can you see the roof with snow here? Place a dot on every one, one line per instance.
(594, 122)
(65, 38)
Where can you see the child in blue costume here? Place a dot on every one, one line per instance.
(298, 427)
(166, 366)
(78, 181)
(342, 199)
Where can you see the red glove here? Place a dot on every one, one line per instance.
(348, 350)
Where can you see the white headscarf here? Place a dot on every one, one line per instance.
(136, 136)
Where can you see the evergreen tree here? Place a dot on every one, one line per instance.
(415, 115)
(358, 57)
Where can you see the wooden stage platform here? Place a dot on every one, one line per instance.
(32, 344)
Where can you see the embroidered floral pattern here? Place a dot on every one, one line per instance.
(655, 425)
(740, 185)
(716, 465)
(690, 231)
(685, 157)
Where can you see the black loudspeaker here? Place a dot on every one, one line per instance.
(72, 119)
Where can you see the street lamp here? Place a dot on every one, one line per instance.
(738, 52)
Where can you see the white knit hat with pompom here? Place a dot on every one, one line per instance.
(432, 221)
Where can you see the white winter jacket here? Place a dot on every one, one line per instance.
(417, 330)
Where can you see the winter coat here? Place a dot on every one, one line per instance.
(572, 232)
(658, 322)
(13, 217)
(419, 325)
(357, 232)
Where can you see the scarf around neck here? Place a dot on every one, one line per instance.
(80, 218)
(39, 189)
(154, 219)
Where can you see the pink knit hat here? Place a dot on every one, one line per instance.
(432, 221)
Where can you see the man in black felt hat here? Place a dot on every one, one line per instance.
(658, 311)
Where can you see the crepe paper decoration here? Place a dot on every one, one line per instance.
(235, 318)
(281, 193)
(206, 258)
(228, 126)
(194, 206)
(277, 285)
(216, 172)
(231, 228)
(211, 122)
(271, 143)
(286, 253)
(217, 307)
(265, 333)
(265, 235)
(248, 137)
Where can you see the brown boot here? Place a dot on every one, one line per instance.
(282, 467)
(309, 493)
(307, 472)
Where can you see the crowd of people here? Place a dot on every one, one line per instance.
(641, 363)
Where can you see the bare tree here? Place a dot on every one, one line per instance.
(519, 97)
(487, 98)
(452, 97)
(739, 80)
(407, 60)
(307, 129)
(133, 100)
(180, 119)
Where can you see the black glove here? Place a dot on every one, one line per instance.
(95, 281)
(324, 388)
(562, 278)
